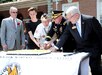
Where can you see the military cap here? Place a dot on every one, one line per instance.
(44, 17)
(56, 14)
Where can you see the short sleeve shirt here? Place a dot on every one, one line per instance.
(41, 31)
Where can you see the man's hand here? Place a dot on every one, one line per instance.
(22, 46)
(5, 47)
(53, 49)
(47, 45)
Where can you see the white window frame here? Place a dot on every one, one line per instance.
(65, 6)
(99, 7)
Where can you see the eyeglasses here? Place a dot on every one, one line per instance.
(13, 12)
(70, 17)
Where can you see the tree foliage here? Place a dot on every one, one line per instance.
(4, 1)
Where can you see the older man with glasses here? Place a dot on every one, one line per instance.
(12, 33)
(87, 33)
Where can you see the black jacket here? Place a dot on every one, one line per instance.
(57, 28)
(91, 40)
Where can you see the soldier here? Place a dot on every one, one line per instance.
(58, 25)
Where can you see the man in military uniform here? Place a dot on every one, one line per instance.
(58, 25)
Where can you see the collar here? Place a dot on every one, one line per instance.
(79, 20)
(12, 18)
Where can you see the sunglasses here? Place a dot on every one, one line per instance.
(13, 12)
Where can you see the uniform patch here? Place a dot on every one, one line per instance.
(11, 69)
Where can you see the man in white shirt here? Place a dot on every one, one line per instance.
(42, 30)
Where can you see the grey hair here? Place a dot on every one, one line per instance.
(72, 10)
(13, 8)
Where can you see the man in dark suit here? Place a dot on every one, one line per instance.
(59, 23)
(87, 33)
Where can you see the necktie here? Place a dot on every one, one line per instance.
(14, 25)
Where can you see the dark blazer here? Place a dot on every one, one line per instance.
(57, 28)
(91, 40)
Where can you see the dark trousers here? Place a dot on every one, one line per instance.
(95, 65)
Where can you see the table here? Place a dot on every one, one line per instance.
(47, 64)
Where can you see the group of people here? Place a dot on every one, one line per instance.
(74, 32)
(45, 32)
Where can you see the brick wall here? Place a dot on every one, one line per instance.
(86, 6)
(60, 4)
(23, 11)
(43, 8)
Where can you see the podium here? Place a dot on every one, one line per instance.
(54, 63)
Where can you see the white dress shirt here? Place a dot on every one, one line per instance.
(78, 25)
(15, 21)
(41, 31)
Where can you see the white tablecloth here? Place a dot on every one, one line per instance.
(48, 64)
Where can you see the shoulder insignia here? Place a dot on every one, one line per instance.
(55, 29)
(65, 23)
(61, 29)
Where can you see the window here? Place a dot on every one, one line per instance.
(65, 6)
(99, 11)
